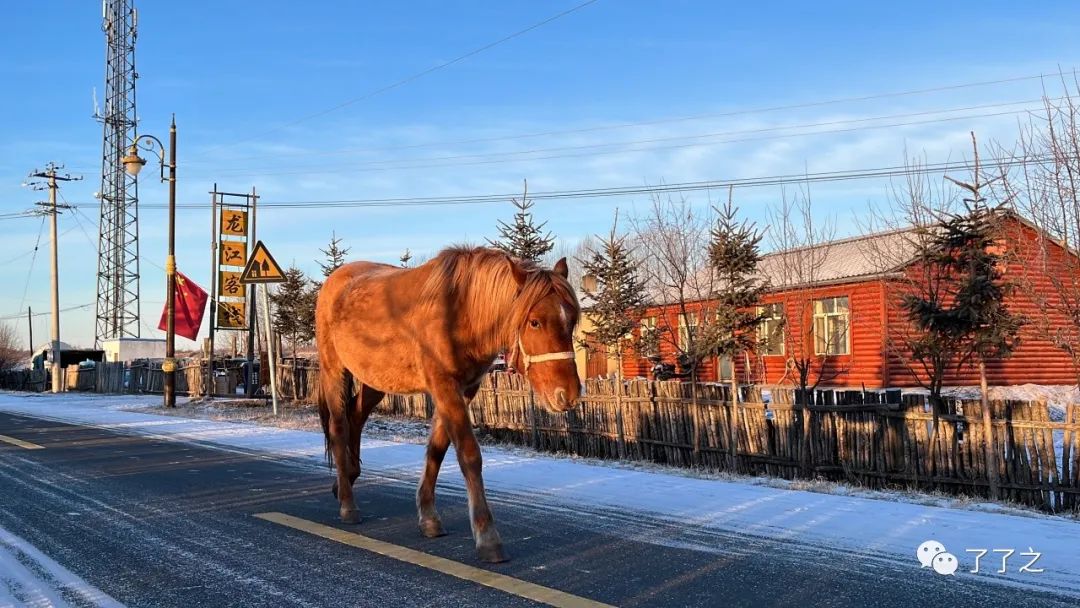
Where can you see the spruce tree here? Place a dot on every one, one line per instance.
(618, 296)
(524, 238)
(293, 304)
(734, 255)
(618, 299)
(962, 319)
(335, 255)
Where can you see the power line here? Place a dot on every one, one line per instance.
(705, 116)
(30, 271)
(17, 215)
(621, 191)
(499, 157)
(418, 75)
(42, 314)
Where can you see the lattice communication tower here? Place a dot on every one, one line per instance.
(118, 238)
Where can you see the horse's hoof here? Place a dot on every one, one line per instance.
(432, 528)
(492, 554)
(350, 516)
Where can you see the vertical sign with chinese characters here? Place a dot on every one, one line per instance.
(232, 248)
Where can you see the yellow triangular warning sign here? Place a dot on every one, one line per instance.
(261, 267)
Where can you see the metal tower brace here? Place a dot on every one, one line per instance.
(118, 239)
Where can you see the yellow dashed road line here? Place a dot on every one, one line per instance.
(508, 584)
(21, 443)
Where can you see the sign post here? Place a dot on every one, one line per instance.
(262, 269)
(231, 222)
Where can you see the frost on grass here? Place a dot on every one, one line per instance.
(301, 417)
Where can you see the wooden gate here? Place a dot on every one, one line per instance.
(596, 360)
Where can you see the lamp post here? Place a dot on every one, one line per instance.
(133, 163)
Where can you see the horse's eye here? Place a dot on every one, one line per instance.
(534, 324)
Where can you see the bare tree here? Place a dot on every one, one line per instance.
(673, 240)
(573, 253)
(10, 352)
(918, 208)
(802, 244)
(1042, 181)
(950, 289)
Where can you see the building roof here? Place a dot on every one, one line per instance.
(841, 260)
(838, 261)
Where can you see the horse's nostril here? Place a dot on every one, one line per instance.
(560, 397)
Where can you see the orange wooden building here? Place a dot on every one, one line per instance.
(834, 306)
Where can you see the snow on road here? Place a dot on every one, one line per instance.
(30, 578)
(872, 529)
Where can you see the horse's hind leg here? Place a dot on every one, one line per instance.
(335, 389)
(366, 400)
(339, 444)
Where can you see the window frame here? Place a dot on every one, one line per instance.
(649, 325)
(684, 331)
(765, 334)
(828, 320)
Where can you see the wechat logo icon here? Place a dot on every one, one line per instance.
(932, 554)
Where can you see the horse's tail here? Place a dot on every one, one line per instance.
(328, 383)
(324, 418)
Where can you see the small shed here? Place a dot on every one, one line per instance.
(129, 349)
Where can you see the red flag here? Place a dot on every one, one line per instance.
(190, 304)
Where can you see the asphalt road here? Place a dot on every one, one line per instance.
(161, 523)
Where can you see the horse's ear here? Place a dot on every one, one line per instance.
(561, 268)
(520, 274)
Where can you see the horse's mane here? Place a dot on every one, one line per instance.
(482, 281)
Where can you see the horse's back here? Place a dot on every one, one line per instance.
(364, 321)
(351, 280)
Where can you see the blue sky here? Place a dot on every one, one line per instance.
(240, 75)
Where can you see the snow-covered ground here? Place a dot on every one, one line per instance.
(30, 578)
(1057, 397)
(638, 502)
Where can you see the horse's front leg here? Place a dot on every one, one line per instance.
(453, 410)
(438, 442)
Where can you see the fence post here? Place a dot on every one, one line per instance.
(989, 446)
(619, 419)
(532, 419)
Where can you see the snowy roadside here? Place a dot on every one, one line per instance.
(30, 578)
(631, 500)
(389, 428)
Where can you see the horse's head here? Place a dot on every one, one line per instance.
(544, 345)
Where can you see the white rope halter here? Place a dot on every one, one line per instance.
(530, 359)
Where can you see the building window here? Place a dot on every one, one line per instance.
(687, 327)
(771, 330)
(832, 319)
(650, 338)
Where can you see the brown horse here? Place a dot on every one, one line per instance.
(437, 329)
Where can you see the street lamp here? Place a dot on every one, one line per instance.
(133, 163)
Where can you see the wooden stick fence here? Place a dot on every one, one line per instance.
(879, 439)
(876, 439)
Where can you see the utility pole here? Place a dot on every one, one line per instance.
(30, 327)
(53, 209)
